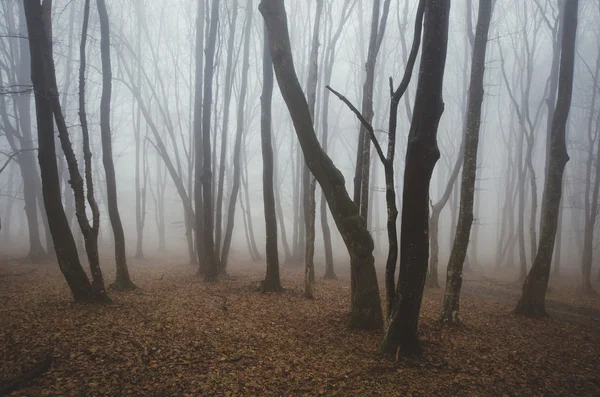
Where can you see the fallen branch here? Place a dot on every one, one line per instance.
(28, 376)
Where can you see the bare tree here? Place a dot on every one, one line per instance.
(533, 298)
(366, 305)
(46, 97)
(224, 132)
(271, 283)
(469, 174)
(123, 281)
(238, 137)
(421, 155)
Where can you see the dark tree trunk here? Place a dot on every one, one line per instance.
(90, 232)
(469, 174)
(271, 282)
(26, 159)
(212, 269)
(421, 155)
(123, 281)
(366, 304)
(238, 138)
(42, 71)
(533, 299)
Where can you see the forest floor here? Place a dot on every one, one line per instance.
(178, 336)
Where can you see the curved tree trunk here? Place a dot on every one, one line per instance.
(533, 299)
(467, 189)
(42, 72)
(366, 304)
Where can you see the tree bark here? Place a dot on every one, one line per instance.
(90, 232)
(271, 283)
(366, 305)
(42, 70)
(421, 155)
(212, 269)
(469, 174)
(533, 298)
(123, 281)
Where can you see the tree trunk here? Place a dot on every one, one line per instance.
(90, 232)
(26, 159)
(42, 69)
(309, 187)
(271, 282)
(212, 269)
(532, 301)
(366, 305)
(224, 133)
(122, 281)
(309, 268)
(469, 174)
(238, 138)
(363, 153)
(421, 155)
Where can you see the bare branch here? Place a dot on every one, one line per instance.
(363, 121)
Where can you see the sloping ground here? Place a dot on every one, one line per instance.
(178, 336)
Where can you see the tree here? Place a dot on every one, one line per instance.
(533, 298)
(123, 281)
(309, 187)
(592, 186)
(366, 306)
(235, 188)
(469, 173)
(224, 132)
(363, 154)
(271, 282)
(19, 135)
(46, 97)
(329, 61)
(421, 155)
(388, 159)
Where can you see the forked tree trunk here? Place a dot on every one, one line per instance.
(271, 283)
(123, 281)
(366, 304)
(421, 155)
(42, 70)
(469, 174)
(533, 298)
(237, 146)
(90, 232)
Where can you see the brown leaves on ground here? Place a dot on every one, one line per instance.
(176, 336)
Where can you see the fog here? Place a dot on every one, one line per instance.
(153, 52)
